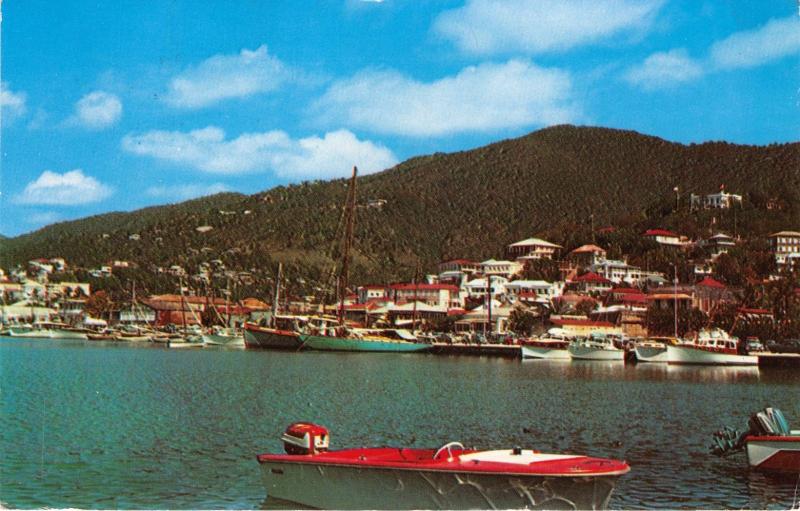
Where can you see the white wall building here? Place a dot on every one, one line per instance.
(785, 246)
(503, 268)
(531, 248)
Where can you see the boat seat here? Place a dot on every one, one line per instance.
(779, 421)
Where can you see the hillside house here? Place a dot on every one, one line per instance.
(531, 248)
(501, 268)
(591, 283)
(586, 255)
(721, 200)
(785, 246)
(664, 237)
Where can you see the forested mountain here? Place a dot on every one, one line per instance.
(555, 183)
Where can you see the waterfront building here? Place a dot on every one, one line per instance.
(25, 311)
(583, 327)
(442, 295)
(785, 246)
(371, 292)
(478, 319)
(531, 248)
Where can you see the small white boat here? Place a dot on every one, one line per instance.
(451, 477)
(549, 347)
(710, 347)
(595, 347)
(653, 350)
(47, 330)
(223, 337)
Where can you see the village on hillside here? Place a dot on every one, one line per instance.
(534, 287)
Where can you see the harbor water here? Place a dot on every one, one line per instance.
(112, 425)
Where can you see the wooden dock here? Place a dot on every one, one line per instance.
(778, 359)
(486, 350)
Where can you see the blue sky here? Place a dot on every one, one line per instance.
(110, 106)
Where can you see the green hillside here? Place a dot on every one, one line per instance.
(554, 183)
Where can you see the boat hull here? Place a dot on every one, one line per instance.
(30, 333)
(349, 487)
(271, 339)
(651, 354)
(774, 454)
(223, 340)
(594, 353)
(545, 353)
(324, 343)
(690, 355)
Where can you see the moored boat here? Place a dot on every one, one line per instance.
(48, 330)
(653, 350)
(769, 442)
(548, 347)
(283, 335)
(710, 347)
(595, 347)
(229, 337)
(451, 477)
(350, 341)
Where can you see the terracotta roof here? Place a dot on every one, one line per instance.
(581, 322)
(660, 232)
(592, 277)
(745, 310)
(424, 287)
(709, 282)
(588, 249)
(624, 290)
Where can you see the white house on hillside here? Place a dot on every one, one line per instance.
(531, 248)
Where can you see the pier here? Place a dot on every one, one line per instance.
(779, 360)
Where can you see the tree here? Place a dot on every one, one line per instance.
(541, 269)
(585, 306)
(661, 321)
(521, 321)
(99, 304)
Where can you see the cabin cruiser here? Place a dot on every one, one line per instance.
(595, 347)
(710, 347)
(549, 347)
(653, 349)
(450, 477)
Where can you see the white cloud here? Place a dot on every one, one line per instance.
(665, 69)
(478, 99)
(313, 157)
(67, 189)
(500, 26)
(98, 110)
(12, 104)
(187, 191)
(776, 39)
(227, 76)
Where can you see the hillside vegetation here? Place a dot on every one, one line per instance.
(554, 183)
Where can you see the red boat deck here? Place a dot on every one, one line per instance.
(530, 463)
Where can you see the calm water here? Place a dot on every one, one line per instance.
(95, 425)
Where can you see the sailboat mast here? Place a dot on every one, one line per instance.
(276, 297)
(350, 219)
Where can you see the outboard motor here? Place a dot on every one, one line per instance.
(769, 421)
(305, 438)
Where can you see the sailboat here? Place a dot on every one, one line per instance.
(281, 333)
(339, 337)
(224, 335)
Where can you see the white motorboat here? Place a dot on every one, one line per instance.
(595, 347)
(549, 347)
(223, 337)
(653, 350)
(47, 330)
(451, 477)
(710, 347)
